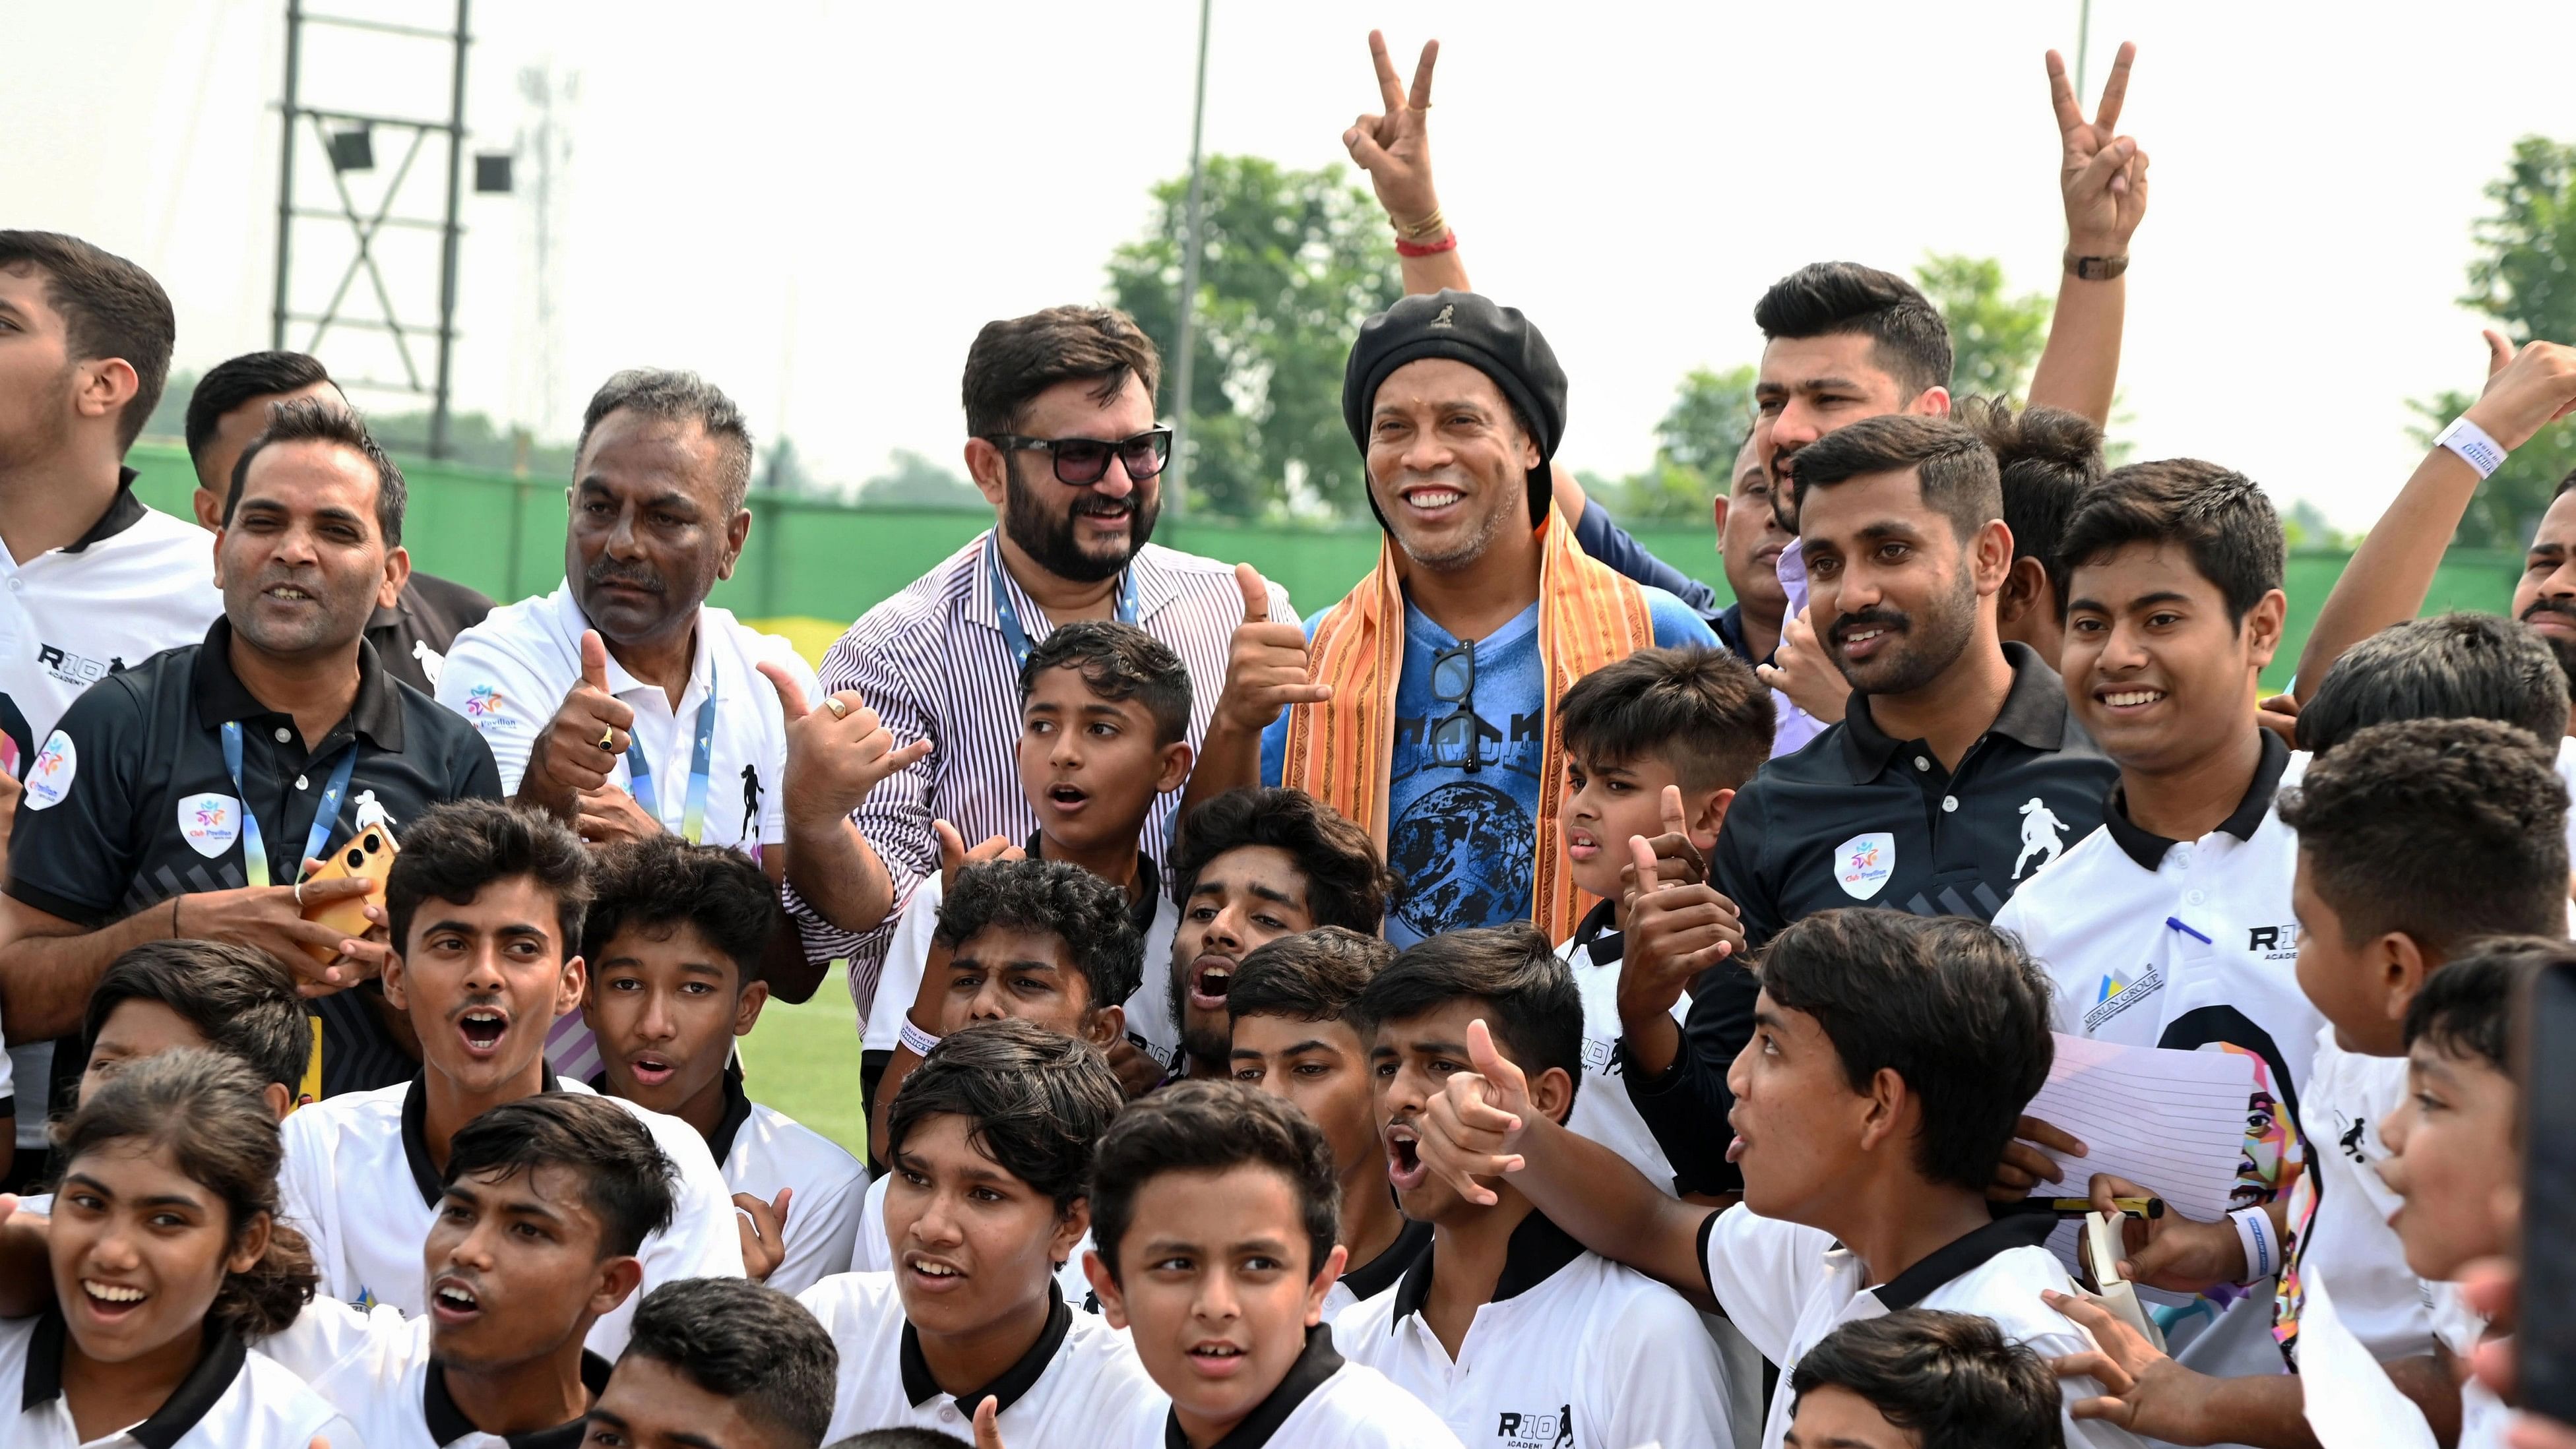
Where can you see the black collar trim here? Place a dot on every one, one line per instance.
(919, 1388)
(123, 512)
(218, 1364)
(221, 696)
(415, 1135)
(2034, 714)
(447, 1423)
(2148, 849)
(1536, 1250)
(1148, 901)
(1594, 934)
(1379, 1273)
(1959, 1257)
(1315, 1366)
(737, 1111)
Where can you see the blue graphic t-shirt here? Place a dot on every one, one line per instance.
(1470, 749)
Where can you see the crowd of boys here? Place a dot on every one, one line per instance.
(1525, 1004)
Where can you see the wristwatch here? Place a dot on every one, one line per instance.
(2097, 269)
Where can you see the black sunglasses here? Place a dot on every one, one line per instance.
(1084, 461)
(1453, 682)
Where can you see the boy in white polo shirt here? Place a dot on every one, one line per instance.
(2414, 838)
(991, 1141)
(1299, 1036)
(1891, 1056)
(486, 903)
(1654, 744)
(1507, 1320)
(674, 941)
(1214, 1210)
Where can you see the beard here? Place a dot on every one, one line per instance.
(1925, 646)
(2561, 645)
(46, 429)
(1508, 504)
(1048, 539)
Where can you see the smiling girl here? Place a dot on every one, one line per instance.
(165, 1255)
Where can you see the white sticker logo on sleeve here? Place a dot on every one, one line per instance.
(1863, 863)
(210, 823)
(49, 775)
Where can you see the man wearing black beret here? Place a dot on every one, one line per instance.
(1440, 671)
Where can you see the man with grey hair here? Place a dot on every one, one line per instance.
(626, 704)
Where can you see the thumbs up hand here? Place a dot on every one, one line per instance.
(589, 731)
(1265, 665)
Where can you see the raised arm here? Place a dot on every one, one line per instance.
(2102, 177)
(2389, 575)
(1394, 147)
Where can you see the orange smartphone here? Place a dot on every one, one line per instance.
(370, 856)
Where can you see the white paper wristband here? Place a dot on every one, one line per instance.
(915, 1040)
(2262, 1246)
(2473, 445)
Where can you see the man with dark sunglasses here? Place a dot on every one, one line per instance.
(1063, 441)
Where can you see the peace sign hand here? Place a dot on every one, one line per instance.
(1394, 146)
(2102, 173)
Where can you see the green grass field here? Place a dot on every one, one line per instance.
(804, 1061)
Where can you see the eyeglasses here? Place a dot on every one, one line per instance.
(1085, 461)
(1453, 682)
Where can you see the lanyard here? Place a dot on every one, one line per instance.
(325, 815)
(639, 771)
(1007, 614)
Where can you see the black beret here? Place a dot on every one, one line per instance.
(1466, 327)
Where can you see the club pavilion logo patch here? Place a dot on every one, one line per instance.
(210, 823)
(2119, 993)
(1863, 864)
(49, 774)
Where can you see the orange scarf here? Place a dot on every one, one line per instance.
(1340, 751)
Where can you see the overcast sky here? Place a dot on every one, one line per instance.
(817, 204)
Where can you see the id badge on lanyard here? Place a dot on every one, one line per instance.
(693, 809)
(325, 814)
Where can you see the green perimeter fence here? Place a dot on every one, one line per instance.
(811, 567)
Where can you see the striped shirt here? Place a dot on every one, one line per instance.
(933, 663)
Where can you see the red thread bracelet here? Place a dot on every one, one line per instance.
(1448, 243)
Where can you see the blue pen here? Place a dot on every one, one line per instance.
(2176, 923)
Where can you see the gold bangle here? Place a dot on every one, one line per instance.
(1430, 228)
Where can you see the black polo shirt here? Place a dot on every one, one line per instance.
(413, 636)
(144, 808)
(1858, 818)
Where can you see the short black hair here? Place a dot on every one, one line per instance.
(659, 884)
(2045, 458)
(1118, 662)
(237, 380)
(1957, 475)
(1346, 885)
(678, 397)
(312, 420)
(237, 997)
(1831, 299)
(1536, 1009)
(1013, 360)
(1951, 1380)
(2215, 513)
(2444, 829)
(1949, 1004)
(454, 850)
(625, 1177)
(903, 1438)
(2468, 1008)
(746, 1342)
(1206, 1126)
(110, 308)
(1034, 1100)
(1086, 912)
(1316, 975)
(2451, 666)
(1698, 710)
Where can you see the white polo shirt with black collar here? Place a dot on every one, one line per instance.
(357, 1181)
(1787, 1286)
(1324, 1402)
(1379, 1274)
(1602, 1110)
(761, 1150)
(235, 1398)
(375, 1367)
(1080, 1374)
(1571, 1349)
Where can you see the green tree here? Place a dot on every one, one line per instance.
(1994, 339)
(1292, 262)
(912, 480)
(1695, 448)
(2524, 277)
